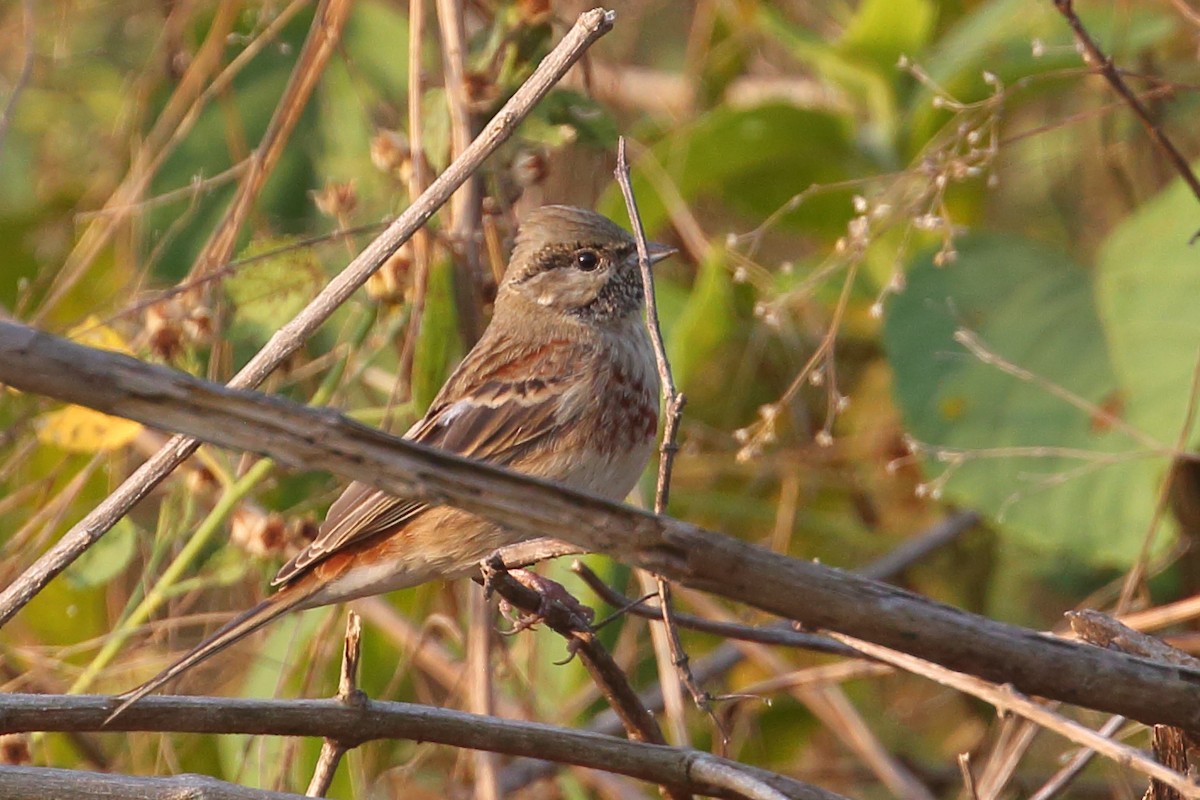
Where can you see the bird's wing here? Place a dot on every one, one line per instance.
(500, 402)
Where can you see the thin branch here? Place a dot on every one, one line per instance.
(320, 43)
(374, 720)
(570, 623)
(466, 206)
(1007, 699)
(1094, 56)
(673, 402)
(590, 27)
(417, 182)
(1070, 771)
(23, 76)
(762, 634)
(332, 749)
(1035, 663)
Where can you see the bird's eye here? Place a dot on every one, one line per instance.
(587, 260)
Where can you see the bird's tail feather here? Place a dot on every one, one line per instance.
(289, 599)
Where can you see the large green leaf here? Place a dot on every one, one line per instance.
(1148, 284)
(1034, 309)
(883, 30)
(704, 322)
(753, 159)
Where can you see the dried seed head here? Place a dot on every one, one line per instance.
(336, 200)
(389, 283)
(390, 152)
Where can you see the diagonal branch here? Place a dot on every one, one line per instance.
(815, 595)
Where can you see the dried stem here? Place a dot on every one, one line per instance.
(333, 749)
(466, 206)
(23, 76)
(417, 182)
(590, 27)
(767, 634)
(673, 402)
(1007, 699)
(1094, 56)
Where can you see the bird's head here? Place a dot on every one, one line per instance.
(576, 262)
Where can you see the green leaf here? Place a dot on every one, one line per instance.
(1033, 308)
(883, 30)
(565, 117)
(105, 559)
(704, 323)
(755, 160)
(1148, 283)
(438, 346)
(267, 293)
(257, 760)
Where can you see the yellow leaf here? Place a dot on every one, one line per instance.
(82, 430)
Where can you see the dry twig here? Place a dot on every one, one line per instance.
(1094, 56)
(348, 692)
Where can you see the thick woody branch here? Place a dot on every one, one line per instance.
(38, 783)
(288, 339)
(815, 595)
(371, 720)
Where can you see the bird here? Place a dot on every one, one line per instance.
(562, 384)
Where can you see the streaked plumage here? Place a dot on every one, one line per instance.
(562, 385)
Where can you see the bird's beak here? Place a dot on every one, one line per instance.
(658, 251)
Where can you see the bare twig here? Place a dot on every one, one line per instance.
(319, 45)
(332, 749)
(1094, 56)
(23, 76)
(834, 600)
(466, 209)
(723, 659)
(590, 27)
(762, 634)
(1063, 778)
(673, 402)
(581, 641)
(417, 181)
(1006, 698)
(481, 699)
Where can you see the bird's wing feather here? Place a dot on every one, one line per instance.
(498, 404)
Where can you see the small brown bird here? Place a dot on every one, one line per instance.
(561, 385)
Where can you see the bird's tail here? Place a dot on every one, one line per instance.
(278, 604)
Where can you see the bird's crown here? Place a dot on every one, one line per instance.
(575, 261)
